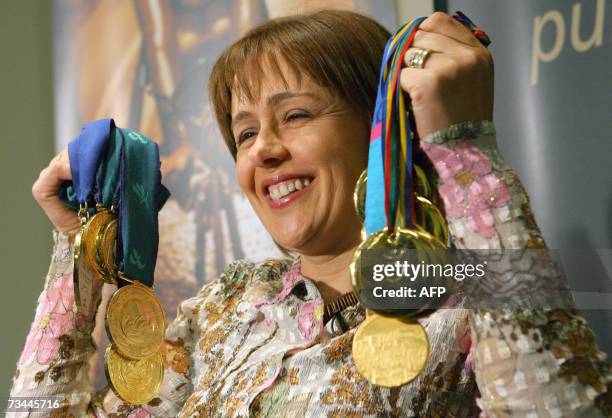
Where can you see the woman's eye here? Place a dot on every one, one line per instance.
(244, 136)
(296, 115)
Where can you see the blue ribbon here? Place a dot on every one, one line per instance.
(375, 215)
(85, 153)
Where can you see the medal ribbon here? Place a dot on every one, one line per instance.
(389, 198)
(107, 178)
(390, 153)
(400, 162)
(121, 168)
(141, 197)
(85, 153)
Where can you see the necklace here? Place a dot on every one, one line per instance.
(338, 305)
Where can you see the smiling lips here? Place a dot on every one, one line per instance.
(285, 191)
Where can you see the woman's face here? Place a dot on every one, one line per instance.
(299, 153)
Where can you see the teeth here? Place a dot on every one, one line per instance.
(282, 190)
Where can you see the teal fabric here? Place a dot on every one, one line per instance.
(140, 191)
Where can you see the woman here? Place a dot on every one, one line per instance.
(293, 99)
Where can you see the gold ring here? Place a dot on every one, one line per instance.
(416, 57)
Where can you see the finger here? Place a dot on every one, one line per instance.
(433, 61)
(62, 156)
(63, 218)
(56, 158)
(443, 24)
(418, 83)
(62, 171)
(438, 43)
(51, 178)
(57, 168)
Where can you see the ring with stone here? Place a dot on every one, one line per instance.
(416, 57)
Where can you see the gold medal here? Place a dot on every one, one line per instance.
(392, 246)
(429, 218)
(91, 241)
(414, 246)
(106, 251)
(359, 195)
(134, 381)
(421, 183)
(82, 282)
(390, 352)
(422, 186)
(135, 321)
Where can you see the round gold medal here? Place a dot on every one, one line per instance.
(91, 240)
(403, 245)
(106, 250)
(134, 381)
(421, 183)
(391, 246)
(429, 218)
(135, 321)
(359, 195)
(390, 352)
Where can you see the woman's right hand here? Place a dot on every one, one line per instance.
(46, 192)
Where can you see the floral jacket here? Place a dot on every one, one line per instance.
(253, 343)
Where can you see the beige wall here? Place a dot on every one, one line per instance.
(410, 9)
(26, 146)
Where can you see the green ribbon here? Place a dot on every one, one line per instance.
(141, 196)
(108, 172)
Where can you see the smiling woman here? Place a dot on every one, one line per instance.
(294, 99)
(300, 133)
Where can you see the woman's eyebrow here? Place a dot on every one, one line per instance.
(279, 97)
(238, 117)
(273, 100)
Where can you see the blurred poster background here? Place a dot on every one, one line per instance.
(145, 63)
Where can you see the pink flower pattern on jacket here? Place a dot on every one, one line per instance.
(310, 316)
(469, 187)
(54, 318)
(291, 278)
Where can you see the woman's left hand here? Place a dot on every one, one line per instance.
(456, 83)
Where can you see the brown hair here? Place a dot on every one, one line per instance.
(339, 49)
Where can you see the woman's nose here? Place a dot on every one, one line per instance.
(268, 149)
